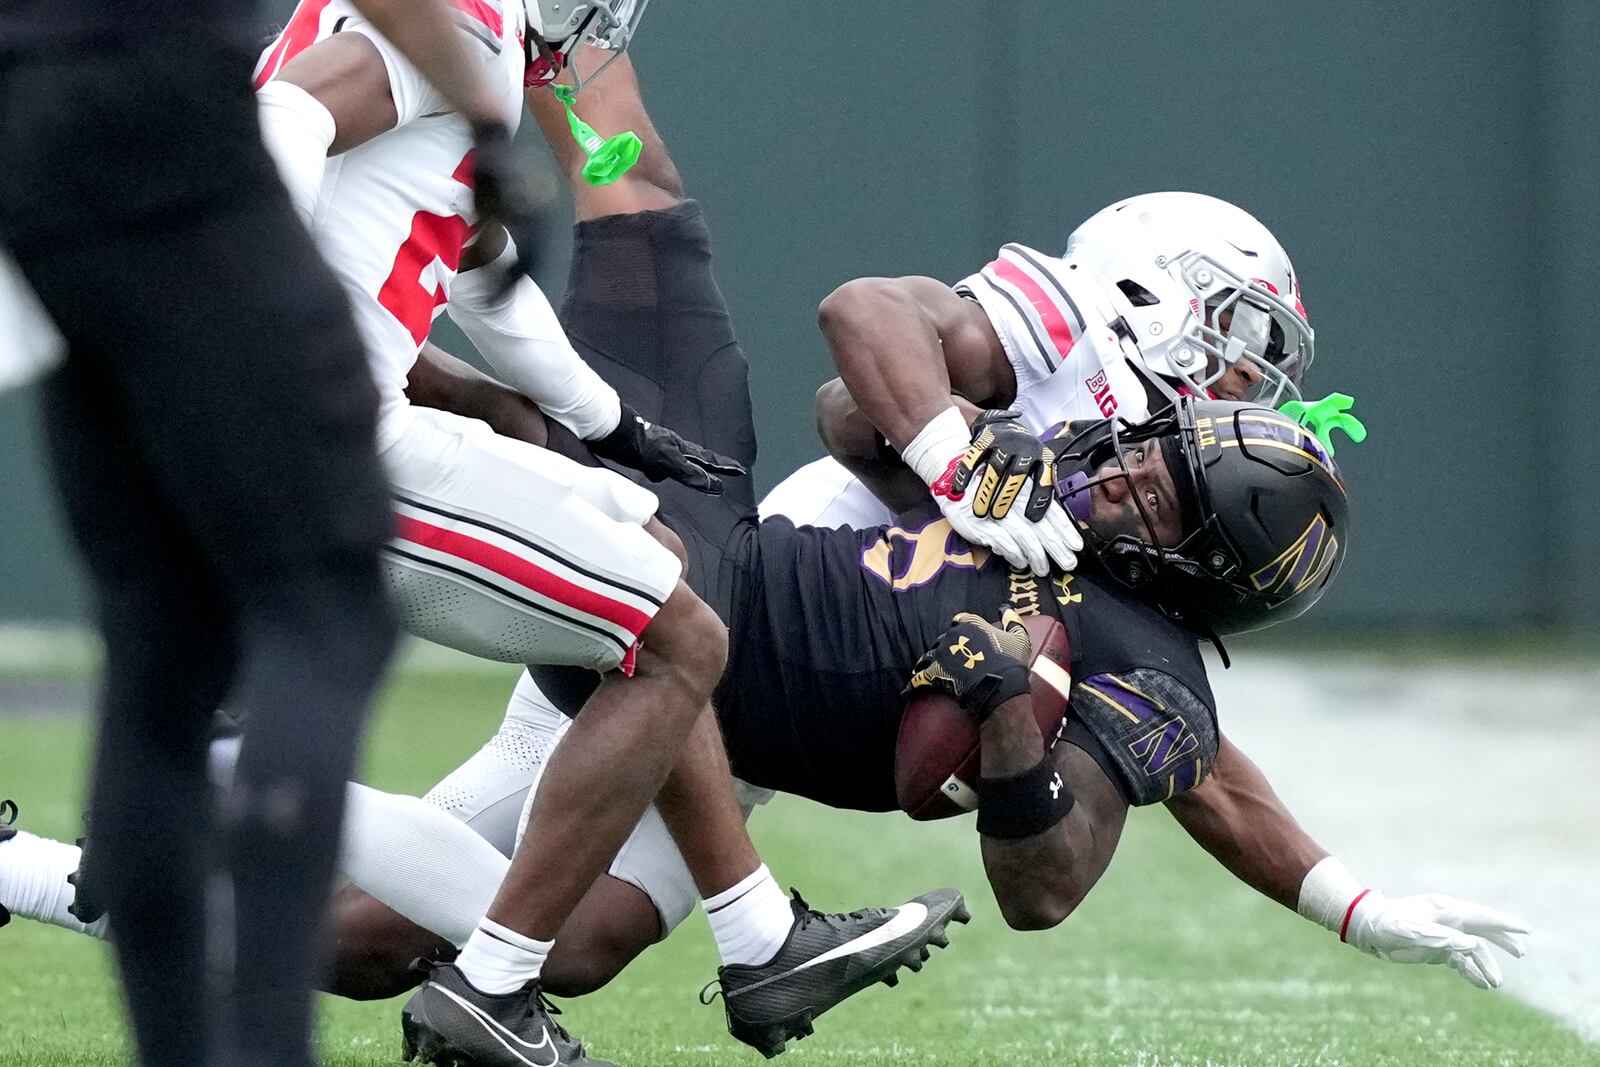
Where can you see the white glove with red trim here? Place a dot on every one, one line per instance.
(1027, 544)
(1431, 928)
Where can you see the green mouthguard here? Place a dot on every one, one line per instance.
(609, 157)
(1324, 416)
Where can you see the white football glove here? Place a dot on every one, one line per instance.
(945, 446)
(1028, 546)
(1431, 928)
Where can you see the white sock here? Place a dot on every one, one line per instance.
(750, 920)
(33, 882)
(425, 864)
(497, 959)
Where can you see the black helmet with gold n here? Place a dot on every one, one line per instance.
(1264, 513)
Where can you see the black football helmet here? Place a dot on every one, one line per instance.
(1265, 515)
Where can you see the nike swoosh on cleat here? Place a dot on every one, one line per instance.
(907, 917)
(500, 1033)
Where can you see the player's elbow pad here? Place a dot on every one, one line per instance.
(298, 131)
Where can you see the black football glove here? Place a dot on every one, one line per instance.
(980, 664)
(1003, 456)
(504, 192)
(658, 453)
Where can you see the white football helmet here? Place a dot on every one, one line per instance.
(562, 24)
(1186, 263)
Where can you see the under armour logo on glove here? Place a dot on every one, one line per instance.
(961, 647)
(951, 666)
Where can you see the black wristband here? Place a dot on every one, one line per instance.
(1025, 805)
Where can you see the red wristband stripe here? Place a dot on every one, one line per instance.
(1344, 927)
(941, 485)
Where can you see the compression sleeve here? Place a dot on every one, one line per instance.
(298, 132)
(518, 334)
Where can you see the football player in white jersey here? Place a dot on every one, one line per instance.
(1230, 815)
(505, 550)
(1157, 295)
(515, 553)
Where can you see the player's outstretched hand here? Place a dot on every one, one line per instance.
(1433, 928)
(981, 664)
(659, 454)
(504, 191)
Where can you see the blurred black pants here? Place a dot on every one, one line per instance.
(212, 438)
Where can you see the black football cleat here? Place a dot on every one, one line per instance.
(8, 830)
(826, 959)
(449, 1023)
(87, 906)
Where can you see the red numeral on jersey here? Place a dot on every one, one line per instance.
(297, 36)
(405, 293)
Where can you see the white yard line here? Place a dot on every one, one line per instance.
(1476, 780)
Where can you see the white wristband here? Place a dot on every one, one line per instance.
(945, 437)
(1329, 894)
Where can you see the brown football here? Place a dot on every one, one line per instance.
(936, 754)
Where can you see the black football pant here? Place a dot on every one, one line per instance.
(644, 310)
(212, 438)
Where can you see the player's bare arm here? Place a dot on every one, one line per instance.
(613, 103)
(850, 438)
(907, 347)
(346, 75)
(440, 380)
(1039, 880)
(1235, 815)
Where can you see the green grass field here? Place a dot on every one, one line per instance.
(1169, 963)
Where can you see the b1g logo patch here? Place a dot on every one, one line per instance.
(1100, 388)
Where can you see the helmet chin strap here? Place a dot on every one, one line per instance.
(609, 158)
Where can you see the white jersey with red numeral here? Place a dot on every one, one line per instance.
(394, 213)
(1054, 322)
(502, 549)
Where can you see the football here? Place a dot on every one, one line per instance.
(936, 754)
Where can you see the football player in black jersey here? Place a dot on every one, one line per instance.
(1212, 519)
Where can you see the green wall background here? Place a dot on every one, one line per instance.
(1433, 168)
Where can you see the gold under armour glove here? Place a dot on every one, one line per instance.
(980, 664)
(1004, 454)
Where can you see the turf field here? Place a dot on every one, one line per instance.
(1169, 963)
